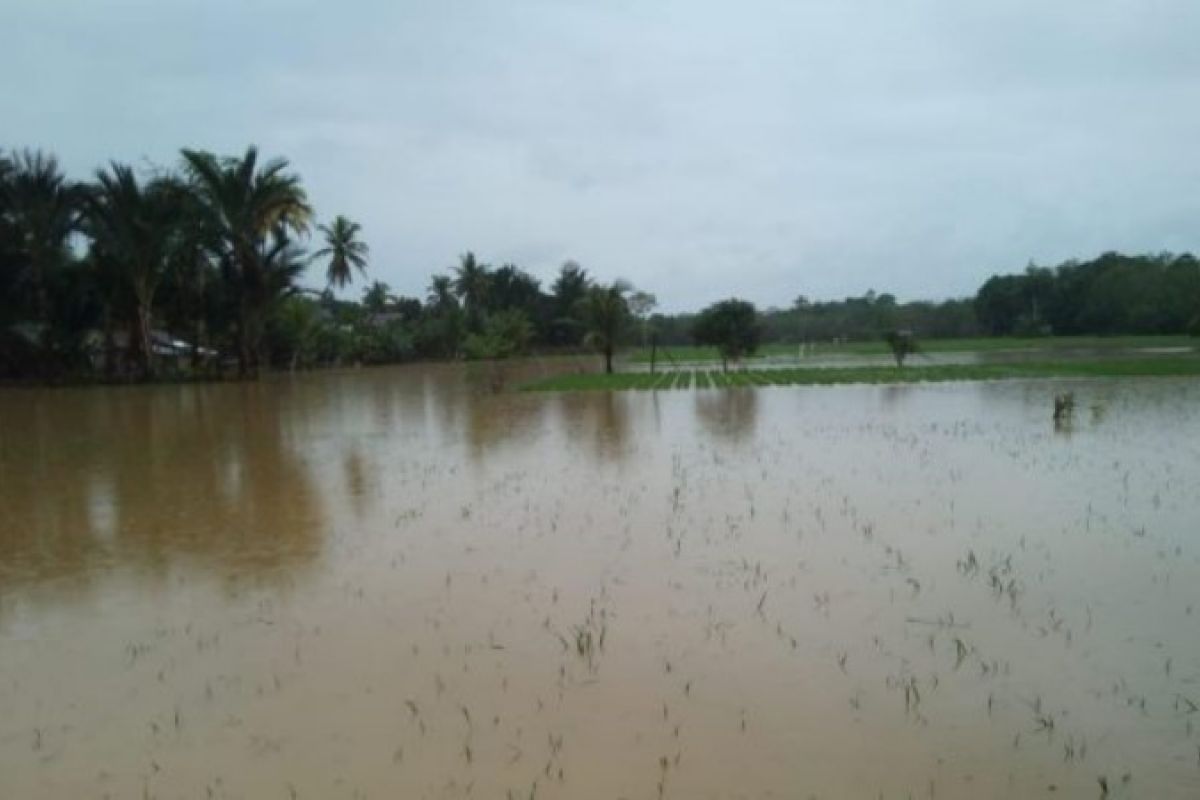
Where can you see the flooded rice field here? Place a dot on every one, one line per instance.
(807, 356)
(386, 583)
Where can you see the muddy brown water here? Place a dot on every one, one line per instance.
(390, 583)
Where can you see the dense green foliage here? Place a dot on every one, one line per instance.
(902, 344)
(1113, 294)
(195, 271)
(111, 275)
(731, 326)
(605, 315)
(852, 319)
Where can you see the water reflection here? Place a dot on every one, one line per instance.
(802, 554)
(892, 394)
(495, 420)
(608, 417)
(148, 476)
(358, 481)
(728, 414)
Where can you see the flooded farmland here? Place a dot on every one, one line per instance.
(388, 583)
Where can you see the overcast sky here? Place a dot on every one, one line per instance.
(700, 150)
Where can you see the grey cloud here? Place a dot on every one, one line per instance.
(699, 149)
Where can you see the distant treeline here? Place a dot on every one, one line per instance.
(852, 319)
(1113, 294)
(1110, 295)
(194, 271)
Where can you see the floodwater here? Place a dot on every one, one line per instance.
(390, 583)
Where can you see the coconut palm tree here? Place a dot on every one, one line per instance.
(43, 210)
(191, 275)
(244, 203)
(136, 224)
(440, 295)
(471, 281)
(8, 245)
(566, 293)
(376, 297)
(344, 250)
(604, 311)
(282, 262)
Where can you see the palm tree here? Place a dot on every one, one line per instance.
(566, 293)
(244, 203)
(345, 251)
(43, 213)
(471, 281)
(376, 297)
(440, 295)
(282, 262)
(190, 277)
(8, 245)
(605, 313)
(136, 225)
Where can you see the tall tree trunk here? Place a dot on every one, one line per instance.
(608, 355)
(110, 347)
(41, 310)
(41, 301)
(145, 344)
(252, 342)
(196, 346)
(242, 341)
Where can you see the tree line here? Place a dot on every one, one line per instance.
(113, 273)
(472, 311)
(194, 270)
(1112, 294)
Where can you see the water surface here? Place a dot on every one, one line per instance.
(393, 583)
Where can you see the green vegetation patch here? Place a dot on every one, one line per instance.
(824, 376)
(988, 344)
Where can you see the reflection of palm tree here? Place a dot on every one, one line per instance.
(611, 418)
(357, 480)
(218, 456)
(490, 424)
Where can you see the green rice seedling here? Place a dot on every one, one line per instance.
(1184, 365)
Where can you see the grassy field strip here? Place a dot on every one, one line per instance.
(824, 376)
(687, 353)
